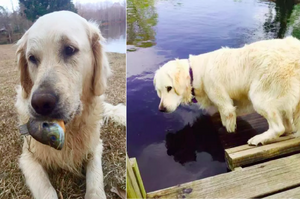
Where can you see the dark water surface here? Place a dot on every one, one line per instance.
(184, 146)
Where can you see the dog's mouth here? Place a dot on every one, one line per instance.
(65, 120)
(58, 115)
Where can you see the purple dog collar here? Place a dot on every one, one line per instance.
(192, 79)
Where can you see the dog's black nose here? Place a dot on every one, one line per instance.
(43, 102)
(162, 109)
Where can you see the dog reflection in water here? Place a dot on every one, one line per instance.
(201, 136)
(208, 135)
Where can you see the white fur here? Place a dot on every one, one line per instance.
(115, 113)
(72, 79)
(263, 76)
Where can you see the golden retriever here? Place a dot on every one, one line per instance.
(264, 76)
(63, 73)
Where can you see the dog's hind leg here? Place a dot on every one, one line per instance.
(288, 123)
(276, 128)
(297, 121)
(36, 177)
(276, 100)
(269, 110)
(115, 113)
(94, 175)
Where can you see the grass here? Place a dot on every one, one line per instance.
(12, 182)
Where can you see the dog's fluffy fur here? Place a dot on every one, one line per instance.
(264, 76)
(80, 81)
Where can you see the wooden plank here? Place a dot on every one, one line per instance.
(245, 155)
(132, 181)
(136, 171)
(291, 193)
(239, 148)
(247, 147)
(251, 182)
(129, 188)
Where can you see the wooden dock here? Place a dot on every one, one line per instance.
(269, 171)
(266, 179)
(135, 186)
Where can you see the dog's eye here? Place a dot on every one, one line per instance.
(69, 50)
(169, 88)
(32, 59)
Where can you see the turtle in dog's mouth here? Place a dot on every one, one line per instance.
(46, 132)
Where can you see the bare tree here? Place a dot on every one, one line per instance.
(12, 6)
(5, 23)
(12, 25)
(103, 12)
(106, 13)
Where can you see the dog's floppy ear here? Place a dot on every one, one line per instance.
(101, 69)
(25, 79)
(180, 79)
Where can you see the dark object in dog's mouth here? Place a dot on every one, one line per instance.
(50, 133)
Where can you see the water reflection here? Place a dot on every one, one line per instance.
(162, 175)
(201, 136)
(141, 18)
(115, 37)
(113, 31)
(276, 23)
(294, 22)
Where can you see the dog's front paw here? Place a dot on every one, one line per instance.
(229, 122)
(95, 195)
(231, 128)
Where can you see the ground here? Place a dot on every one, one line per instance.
(12, 183)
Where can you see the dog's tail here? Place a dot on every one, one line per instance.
(115, 113)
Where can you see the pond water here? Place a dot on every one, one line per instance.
(115, 36)
(184, 146)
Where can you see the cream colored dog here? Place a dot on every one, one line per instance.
(64, 71)
(264, 75)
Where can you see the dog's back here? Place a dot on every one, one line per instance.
(236, 68)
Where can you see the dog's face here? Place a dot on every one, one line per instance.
(61, 64)
(171, 82)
